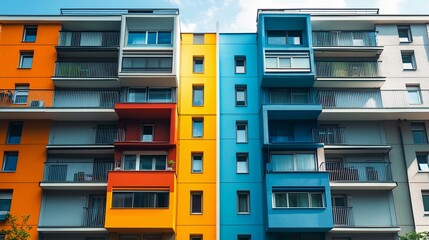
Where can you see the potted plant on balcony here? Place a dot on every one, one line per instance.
(170, 164)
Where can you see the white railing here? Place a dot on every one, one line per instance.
(343, 216)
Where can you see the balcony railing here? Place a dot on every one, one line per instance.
(86, 69)
(293, 97)
(88, 39)
(329, 135)
(76, 172)
(347, 69)
(107, 135)
(376, 99)
(344, 39)
(358, 171)
(93, 217)
(61, 98)
(343, 216)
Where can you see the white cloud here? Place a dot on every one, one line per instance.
(188, 27)
(390, 6)
(247, 11)
(211, 12)
(176, 2)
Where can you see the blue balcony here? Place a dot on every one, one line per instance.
(298, 201)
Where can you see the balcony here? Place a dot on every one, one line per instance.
(348, 74)
(81, 104)
(93, 217)
(88, 40)
(76, 175)
(329, 135)
(359, 175)
(346, 44)
(343, 216)
(374, 104)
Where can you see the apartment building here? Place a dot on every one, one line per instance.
(116, 125)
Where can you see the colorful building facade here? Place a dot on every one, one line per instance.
(119, 126)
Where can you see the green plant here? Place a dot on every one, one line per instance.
(17, 231)
(414, 236)
(171, 163)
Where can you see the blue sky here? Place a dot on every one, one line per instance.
(202, 15)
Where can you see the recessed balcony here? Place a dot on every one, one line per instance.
(69, 41)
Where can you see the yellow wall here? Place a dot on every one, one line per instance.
(205, 223)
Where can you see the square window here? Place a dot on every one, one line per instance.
(294, 37)
(240, 95)
(425, 196)
(196, 202)
(135, 38)
(21, 94)
(197, 127)
(408, 61)
(422, 161)
(414, 96)
(286, 162)
(198, 38)
(5, 201)
(197, 163)
(298, 200)
(240, 64)
(198, 64)
(10, 160)
(418, 130)
(242, 163)
(30, 33)
(147, 132)
(26, 60)
(198, 96)
(404, 33)
(14, 133)
(243, 202)
(164, 37)
(244, 237)
(241, 132)
(196, 237)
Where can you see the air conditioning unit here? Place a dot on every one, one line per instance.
(37, 103)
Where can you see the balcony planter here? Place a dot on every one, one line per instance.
(170, 164)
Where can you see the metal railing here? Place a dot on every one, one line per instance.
(343, 216)
(86, 69)
(377, 99)
(285, 97)
(329, 135)
(106, 135)
(347, 69)
(93, 217)
(72, 172)
(88, 39)
(358, 171)
(344, 39)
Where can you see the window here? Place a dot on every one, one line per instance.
(147, 132)
(10, 160)
(404, 33)
(413, 92)
(163, 95)
(287, 62)
(425, 196)
(149, 37)
(198, 38)
(5, 202)
(147, 64)
(284, 37)
(197, 128)
(197, 163)
(289, 96)
(240, 64)
(198, 64)
(422, 161)
(141, 162)
(243, 202)
(197, 96)
(285, 162)
(408, 61)
(241, 131)
(14, 133)
(242, 163)
(196, 202)
(418, 130)
(244, 237)
(26, 60)
(140, 199)
(298, 200)
(196, 237)
(21, 94)
(240, 95)
(30, 33)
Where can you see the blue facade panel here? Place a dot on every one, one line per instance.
(298, 219)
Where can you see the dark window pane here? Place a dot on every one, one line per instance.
(164, 37)
(15, 132)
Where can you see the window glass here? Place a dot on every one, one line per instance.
(408, 62)
(404, 33)
(294, 37)
(5, 201)
(130, 162)
(14, 133)
(419, 133)
(10, 160)
(196, 202)
(26, 60)
(197, 128)
(243, 202)
(198, 38)
(122, 200)
(147, 133)
(240, 95)
(30, 33)
(197, 163)
(151, 38)
(241, 132)
(136, 38)
(240, 64)
(276, 37)
(414, 95)
(198, 96)
(270, 62)
(159, 95)
(164, 37)
(198, 65)
(242, 163)
(137, 95)
(426, 201)
(299, 200)
(282, 162)
(422, 160)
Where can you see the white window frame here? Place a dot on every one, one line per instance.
(23, 56)
(414, 90)
(309, 194)
(287, 55)
(246, 162)
(239, 89)
(24, 36)
(246, 136)
(147, 38)
(133, 196)
(295, 159)
(5, 159)
(138, 155)
(406, 39)
(147, 137)
(6, 195)
(247, 195)
(423, 166)
(411, 65)
(194, 157)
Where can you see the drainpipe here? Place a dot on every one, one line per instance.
(217, 135)
(400, 122)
